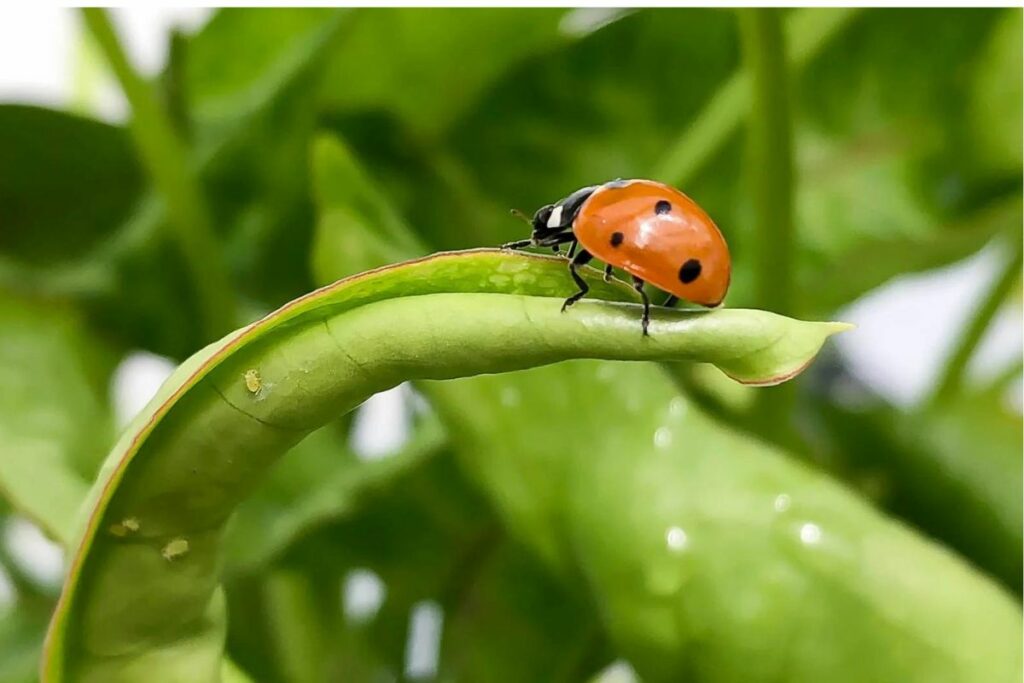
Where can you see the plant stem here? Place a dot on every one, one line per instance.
(952, 377)
(770, 157)
(293, 613)
(808, 31)
(165, 157)
(770, 162)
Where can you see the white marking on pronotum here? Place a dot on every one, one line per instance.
(555, 219)
(174, 549)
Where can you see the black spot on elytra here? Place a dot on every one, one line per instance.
(689, 271)
(617, 238)
(662, 207)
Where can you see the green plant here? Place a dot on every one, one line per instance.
(561, 507)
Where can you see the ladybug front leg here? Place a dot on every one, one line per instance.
(638, 285)
(580, 259)
(550, 241)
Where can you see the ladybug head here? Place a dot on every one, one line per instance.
(540, 221)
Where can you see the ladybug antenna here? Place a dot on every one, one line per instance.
(519, 214)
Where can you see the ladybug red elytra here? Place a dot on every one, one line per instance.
(652, 231)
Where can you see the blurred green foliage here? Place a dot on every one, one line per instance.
(324, 142)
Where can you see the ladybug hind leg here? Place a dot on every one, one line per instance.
(638, 285)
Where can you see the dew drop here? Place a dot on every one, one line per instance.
(677, 407)
(810, 534)
(662, 437)
(782, 502)
(676, 539)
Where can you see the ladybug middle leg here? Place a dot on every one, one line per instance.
(580, 259)
(638, 285)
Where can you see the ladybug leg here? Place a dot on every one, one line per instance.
(572, 250)
(550, 241)
(671, 301)
(608, 273)
(580, 259)
(638, 285)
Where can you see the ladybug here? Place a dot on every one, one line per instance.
(650, 230)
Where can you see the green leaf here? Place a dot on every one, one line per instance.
(595, 109)
(254, 136)
(47, 155)
(349, 204)
(427, 80)
(881, 133)
(883, 120)
(230, 673)
(319, 481)
(711, 556)
(55, 423)
(251, 165)
(516, 622)
(143, 584)
(242, 58)
(807, 32)
(996, 94)
(954, 471)
(21, 637)
(424, 535)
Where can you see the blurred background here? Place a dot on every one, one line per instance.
(278, 150)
